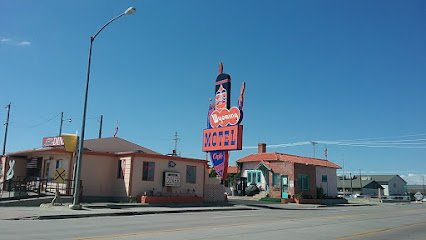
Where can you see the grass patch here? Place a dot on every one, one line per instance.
(268, 199)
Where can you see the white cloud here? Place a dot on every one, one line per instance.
(23, 43)
(413, 179)
(4, 40)
(13, 42)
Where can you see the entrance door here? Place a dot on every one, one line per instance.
(265, 173)
(284, 186)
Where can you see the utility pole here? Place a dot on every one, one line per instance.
(176, 139)
(100, 127)
(7, 126)
(350, 176)
(60, 125)
(343, 176)
(62, 120)
(313, 144)
(360, 182)
(326, 165)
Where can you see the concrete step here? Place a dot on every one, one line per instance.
(260, 195)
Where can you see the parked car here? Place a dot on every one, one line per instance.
(251, 190)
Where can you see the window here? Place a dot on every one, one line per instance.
(254, 176)
(59, 163)
(276, 179)
(46, 172)
(190, 174)
(121, 168)
(324, 178)
(303, 182)
(148, 171)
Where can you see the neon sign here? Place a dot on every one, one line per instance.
(223, 131)
(224, 138)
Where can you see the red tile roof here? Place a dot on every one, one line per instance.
(233, 169)
(274, 156)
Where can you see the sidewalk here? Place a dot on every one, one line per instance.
(107, 209)
(45, 211)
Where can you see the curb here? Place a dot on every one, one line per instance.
(315, 207)
(127, 213)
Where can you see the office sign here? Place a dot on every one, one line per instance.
(171, 179)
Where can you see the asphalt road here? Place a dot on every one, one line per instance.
(390, 221)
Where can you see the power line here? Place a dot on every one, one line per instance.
(419, 143)
(45, 121)
(372, 138)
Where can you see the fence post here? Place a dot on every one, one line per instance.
(9, 187)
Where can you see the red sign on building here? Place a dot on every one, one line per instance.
(53, 142)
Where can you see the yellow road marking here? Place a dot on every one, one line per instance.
(381, 231)
(408, 211)
(167, 231)
(343, 216)
(216, 226)
(240, 224)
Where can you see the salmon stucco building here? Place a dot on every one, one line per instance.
(119, 170)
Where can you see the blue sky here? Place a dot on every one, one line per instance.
(320, 71)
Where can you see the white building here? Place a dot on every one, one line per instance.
(393, 184)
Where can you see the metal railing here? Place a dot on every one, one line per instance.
(27, 187)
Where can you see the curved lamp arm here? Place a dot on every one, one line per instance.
(129, 11)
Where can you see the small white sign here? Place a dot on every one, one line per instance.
(291, 183)
(171, 179)
(418, 196)
(285, 181)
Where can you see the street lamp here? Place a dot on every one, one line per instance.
(76, 201)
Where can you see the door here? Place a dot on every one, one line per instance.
(284, 186)
(265, 173)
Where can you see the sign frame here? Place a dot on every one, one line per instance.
(171, 179)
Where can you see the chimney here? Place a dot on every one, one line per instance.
(261, 148)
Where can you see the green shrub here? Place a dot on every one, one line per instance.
(269, 199)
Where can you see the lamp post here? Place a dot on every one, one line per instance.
(76, 201)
